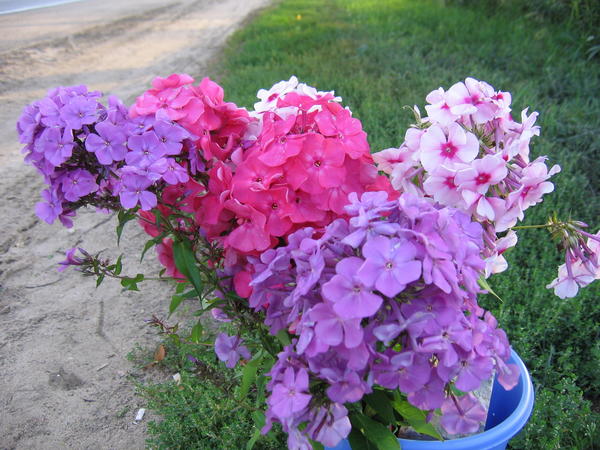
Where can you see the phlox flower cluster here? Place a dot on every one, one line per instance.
(469, 153)
(91, 154)
(388, 298)
(582, 261)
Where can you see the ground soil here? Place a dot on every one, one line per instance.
(65, 380)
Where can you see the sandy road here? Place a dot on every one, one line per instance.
(63, 371)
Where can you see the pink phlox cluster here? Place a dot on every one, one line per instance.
(297, 172)
(470, 154)
(218, 126)
(387, 297)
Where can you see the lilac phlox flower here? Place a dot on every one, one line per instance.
(229, 349)
(134, 190)
(174, 173)
(351, 297)
(109, 144)
(430, 396)
(309, 268)
(50, 113)
(78, 183)
(329, 425)
(139, 125)
(347, 387)
(290, 396)
(470, 371)
(390, 264)
(57, 145)
(334, 330)
(170, 135)
(442, 335)
(145, 149)
(71, 259)
(462, 415)
(116, 111)
(407, 370)
(79, 111)
(51, 208)
(28, 122)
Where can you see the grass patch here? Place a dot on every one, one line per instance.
(203, 410)
(382, 55)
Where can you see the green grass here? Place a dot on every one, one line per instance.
(204, 410)
(382, 55)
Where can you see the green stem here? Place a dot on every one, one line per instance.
(524, 227)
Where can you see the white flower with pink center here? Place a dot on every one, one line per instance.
(388, 158)
(496, 263)
(472, 98)
(439, 110)
(268, 98)
(481, 174)
(439, 149)
(533, 184)
(440, 184)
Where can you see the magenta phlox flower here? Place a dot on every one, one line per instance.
(462, 415)
(389, 265)
(350, 296)
(439, 149)
(79, 111)
(78, 183)
(229, 349)
(134, 190)
(49, 210)
(290, 396)
(109, 144)
(329, 425)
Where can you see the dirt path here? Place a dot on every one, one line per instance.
(63, 370)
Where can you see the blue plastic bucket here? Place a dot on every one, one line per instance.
(508, 413)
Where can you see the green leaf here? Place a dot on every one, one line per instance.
(316, 445)
(249, 374)
(99, 280)
(261, 382)
(118, 265)
(375, 432)
(381, 403)
(259, 422)
(131, 284)
(186, 264)
(124, 217)
(283, 337)
(175, 302)
(485, 285)
(196, 332)
(415, 417)
(358, 441)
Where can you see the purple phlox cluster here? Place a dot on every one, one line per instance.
(229, 349)
(469, 153)
(91, 154)
(582, 262)
(385, 298)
